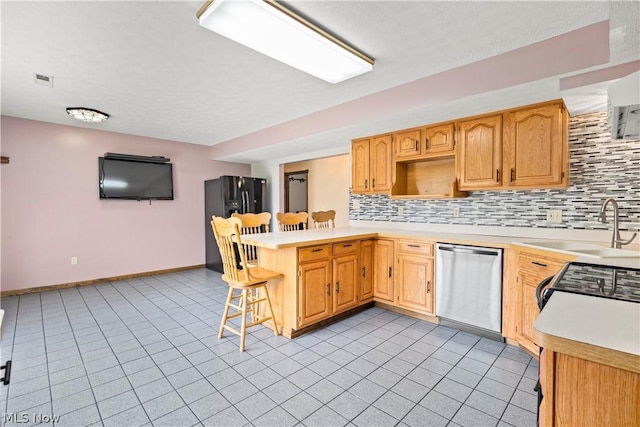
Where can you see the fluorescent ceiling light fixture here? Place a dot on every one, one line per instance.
(271, 29)
(87, 114)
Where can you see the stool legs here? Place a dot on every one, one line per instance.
(225, 314)
(243, 327)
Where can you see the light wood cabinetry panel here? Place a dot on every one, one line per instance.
(366, 270)
(345, 283)
(407, 143)
(371, 164)
(360, 162)
(383, 270)
(439, 139)
(534, 148)
(579, 392)
(380, 168)
(314, 292)
(479, 160)
(532, 269)
(414, 276)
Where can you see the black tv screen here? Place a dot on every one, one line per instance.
(126, 179)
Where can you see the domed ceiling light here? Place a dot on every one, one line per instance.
(87, 114)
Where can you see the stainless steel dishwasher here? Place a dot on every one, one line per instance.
(469, 288)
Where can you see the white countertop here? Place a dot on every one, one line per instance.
(278, 240)
(602, 322)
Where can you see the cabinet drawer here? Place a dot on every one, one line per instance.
(415, 247)
(314, 252)
(539, 265)
(345, 248)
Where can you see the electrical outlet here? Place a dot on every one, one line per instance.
(74, 260)
(456, 212)
(400, 210)
(356, 204)
(554, 215)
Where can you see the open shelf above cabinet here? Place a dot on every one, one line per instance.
(433, 178)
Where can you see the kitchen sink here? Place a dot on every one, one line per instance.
(583, 249)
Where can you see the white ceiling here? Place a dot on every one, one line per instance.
(159, 74)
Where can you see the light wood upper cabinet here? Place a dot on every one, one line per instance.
(408, 143)
(371, 164)
(360, 162)
(439, 139)
(479, 160)
(534, 148)
(383, 270)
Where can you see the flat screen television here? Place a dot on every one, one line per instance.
(135, 180)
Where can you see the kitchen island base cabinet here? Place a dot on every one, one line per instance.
(579, 392)
(383, 271)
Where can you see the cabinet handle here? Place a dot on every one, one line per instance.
(317, 250)
(426, 143)
(428, 286)
(417, 145)
(538, 263)
(497, 175)
(513, 173)
(364, 272)
(373, 183)
(338, 287)
(414, 246)
(365, 183)
(328, 288)
(348, 245)
(389, 271)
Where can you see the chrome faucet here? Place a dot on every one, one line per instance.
(616, 239)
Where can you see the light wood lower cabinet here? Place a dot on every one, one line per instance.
(346, 277)
(383, 271)
(366, 270)
(314, 286)
(329, 281)
(579, 392)
(414, 276)
(532, 269)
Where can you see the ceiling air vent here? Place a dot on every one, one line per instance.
(43, 79)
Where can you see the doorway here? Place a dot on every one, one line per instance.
(295, 191)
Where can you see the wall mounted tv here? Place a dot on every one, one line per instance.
(133, 178)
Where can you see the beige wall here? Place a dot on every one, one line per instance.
(328, 185)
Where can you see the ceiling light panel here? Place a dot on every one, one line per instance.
(269, 28)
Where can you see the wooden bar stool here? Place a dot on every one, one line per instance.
(290, 221)
(324, 219)
(249, 281)
(253, 223)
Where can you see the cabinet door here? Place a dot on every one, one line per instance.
(534, 145)
(415, 283)
(314, 292)
(407, 143)
(345, 282)
(366, 270)
(528, 307)
(383, 270)
(438, 139)
(480, 153)
(360, 162)
(380, 169)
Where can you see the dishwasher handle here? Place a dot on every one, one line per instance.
(468, 251)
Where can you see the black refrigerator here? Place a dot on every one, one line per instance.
(227, 195)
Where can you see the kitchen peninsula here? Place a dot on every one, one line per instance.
(330, 272)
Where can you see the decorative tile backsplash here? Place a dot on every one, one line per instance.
(599, 168)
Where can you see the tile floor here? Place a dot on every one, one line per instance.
(145, 352)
